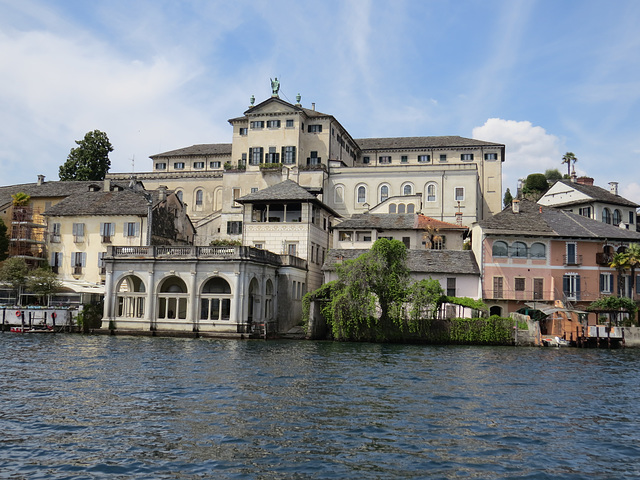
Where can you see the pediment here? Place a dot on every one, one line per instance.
(273, 105)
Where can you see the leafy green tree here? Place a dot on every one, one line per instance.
(14, 271)
(508, 198)
(423, 296)
(89, 160)
(367, 299)
(633, 260)
(568, 158)
(553, 175)
(534, 186)
(4, 241)
(43, 282)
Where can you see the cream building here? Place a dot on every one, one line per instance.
(450, 178)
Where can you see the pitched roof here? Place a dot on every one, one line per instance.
(285, 191)
(47, 189)
(419, 261)
(421, 142)
(392, 221)
(598, 194)
(538, 220)
(124, 202)
(197, 150)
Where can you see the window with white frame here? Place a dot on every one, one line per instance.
(338, 194)
(257, 124)
(289, 123)
(407, 189)
(490, 156)
(424, 158)
(571, 286)
(255, 155)
(214, 165)
(198, 165)
(384, 193)
(459, 194)
(431, 192)
(466, 157)
(606, 283)
(178, 166)
(289, 155)
(362, 194)
(273, 123)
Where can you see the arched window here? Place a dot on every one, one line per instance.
(392, 208)
(362, 194)
(606, 215)
(401, 208)
(407, 189)
(431, 192)
(411, 208)
(617, 217)
(172, 299)
(199, 195)
(179, 195)
(500, 249)
(215, 300)
(519, 250)
(338, 196)
(538, 250)
(130, 297)
(384, 193)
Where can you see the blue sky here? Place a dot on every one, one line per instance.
(543, 77)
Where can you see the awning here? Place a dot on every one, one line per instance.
(79, 286)
(549, 309)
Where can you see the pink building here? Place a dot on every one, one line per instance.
(532, 256)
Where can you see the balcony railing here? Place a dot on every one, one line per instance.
(604, 258)
(572, 259)
(164, 252)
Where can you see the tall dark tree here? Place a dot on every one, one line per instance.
(89, 160)
(508, 198)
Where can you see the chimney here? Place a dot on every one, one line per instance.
(40, 179)
(107, 185)
(162, 193)
(515, 205)
(313, 106)
(584, 180)
(613, 187)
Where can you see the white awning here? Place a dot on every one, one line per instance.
(79, 286)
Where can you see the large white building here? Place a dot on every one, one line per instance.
(288, 177)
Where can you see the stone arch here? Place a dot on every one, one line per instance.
(173, 296)
(130, 297)
(215, 299)
(495, 310)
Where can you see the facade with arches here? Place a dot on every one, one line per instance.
(202, 289)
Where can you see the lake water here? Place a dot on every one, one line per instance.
(93, 407)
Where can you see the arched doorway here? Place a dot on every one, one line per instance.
(130, 294)
(495, 310)
(215, 300)
(172, 299)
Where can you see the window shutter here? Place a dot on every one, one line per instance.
(284, 155)
(102, 227)
(602, 282)
(137, 229)
(73, 259)
(578, 287)
(74, 230)
(83, 258)
(112, 228)
(565, 285)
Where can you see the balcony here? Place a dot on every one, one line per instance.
(77, 270)
(604, 259)
(572, 260)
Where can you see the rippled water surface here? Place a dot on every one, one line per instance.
(81, 407)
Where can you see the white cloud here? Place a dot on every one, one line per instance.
(631, 192)
(529, 148)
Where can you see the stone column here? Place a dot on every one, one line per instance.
(192, 307)
(149, 312)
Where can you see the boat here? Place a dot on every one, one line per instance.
(33, 329)
(555, 342)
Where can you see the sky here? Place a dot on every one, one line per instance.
(542, 77)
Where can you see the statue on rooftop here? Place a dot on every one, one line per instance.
(275, 87)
